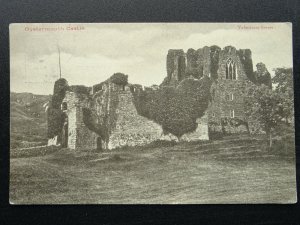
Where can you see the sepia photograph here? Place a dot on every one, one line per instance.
(152, 113)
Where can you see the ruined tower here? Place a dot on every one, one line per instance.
(176, 66)
(226, 112)
(230, 70)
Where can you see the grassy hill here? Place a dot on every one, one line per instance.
(28, 123)
(236, 169)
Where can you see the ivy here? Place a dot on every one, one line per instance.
(119, 79)
(176, 109)
(55, 117)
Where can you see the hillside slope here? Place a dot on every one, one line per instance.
(28, 122)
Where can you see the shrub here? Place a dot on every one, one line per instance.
(176, 109)
(119, 79)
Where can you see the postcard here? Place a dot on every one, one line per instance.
(152, 113)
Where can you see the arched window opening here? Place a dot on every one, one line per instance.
(231, 69)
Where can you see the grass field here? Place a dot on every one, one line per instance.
(239, 170)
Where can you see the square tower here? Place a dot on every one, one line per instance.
(226, 112)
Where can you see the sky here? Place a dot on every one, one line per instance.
(91, 53)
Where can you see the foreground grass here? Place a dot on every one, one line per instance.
(226, 171)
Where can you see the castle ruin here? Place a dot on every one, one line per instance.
(111, 105)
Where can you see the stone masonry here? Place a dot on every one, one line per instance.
(132, 129)
(112, 106)
(230, 70)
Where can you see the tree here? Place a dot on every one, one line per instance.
(283, 80)
(173, 111)
(176, 109)
(262, 105)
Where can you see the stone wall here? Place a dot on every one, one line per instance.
(206, 61)
(132, 129)
(113, 108)
(176, 66)
(79, 136)
(201, 133)
(224, 55)
(104, 104)
(227, 96)
(245, 56)
(198, 62)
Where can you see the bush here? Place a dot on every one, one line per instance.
(175, 108)
(119, 79)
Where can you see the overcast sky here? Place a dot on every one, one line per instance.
(94, 52)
